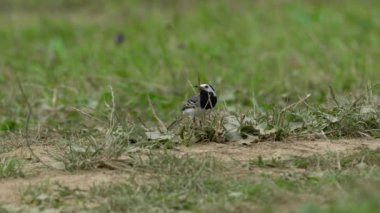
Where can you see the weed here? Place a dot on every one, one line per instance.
(47, 195)
(203, 129)
(8, 125)
(11, 167)
(90, 152)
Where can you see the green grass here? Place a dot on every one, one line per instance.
(68, 58)
(11, 167)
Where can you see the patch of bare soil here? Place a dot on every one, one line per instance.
(10, 188)
(283, 150)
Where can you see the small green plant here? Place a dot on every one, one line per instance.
(11, 167)
(203, 129)
(8, 125)
(51, 195)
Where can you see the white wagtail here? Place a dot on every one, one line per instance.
(205, 100)
(198, 104)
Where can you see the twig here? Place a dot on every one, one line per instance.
(174, 122)
(340, 187)
(355, 102)
(161, 124)
(281, 115)
(141, 121)
(297, 103)
(111, 117)
(364, 134)
(318, 165)
(333, 96)
(86, 114)
(324, 135)
(54, 99)
(192, 86)
(26, 129)
(339, 166)
(369, 92)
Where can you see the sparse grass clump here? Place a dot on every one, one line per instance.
(46, 195)
(348, 119)
(360, 158)
(88, 152)
(11, 167)
(358, 118)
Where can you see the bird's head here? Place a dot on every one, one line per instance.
(206, 88)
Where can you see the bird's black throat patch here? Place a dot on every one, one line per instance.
(207, 100)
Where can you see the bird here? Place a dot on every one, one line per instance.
(200, 103)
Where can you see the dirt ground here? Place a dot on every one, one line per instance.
(269, 150)
(10, 188)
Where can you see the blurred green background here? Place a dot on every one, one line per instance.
(67, 53)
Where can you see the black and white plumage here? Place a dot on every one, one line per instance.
(206, 99)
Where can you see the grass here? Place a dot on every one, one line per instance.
(68, 59)
(203, 184)
(104, 77)
(89, 152)
(360, 158)
(11, 167)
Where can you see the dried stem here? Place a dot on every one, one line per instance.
(162, 128)
(334, 97)
(26, 129)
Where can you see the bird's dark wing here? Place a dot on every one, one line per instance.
(193, 102)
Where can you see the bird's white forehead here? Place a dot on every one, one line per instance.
(207, 88)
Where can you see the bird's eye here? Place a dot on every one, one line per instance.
(206, 86)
